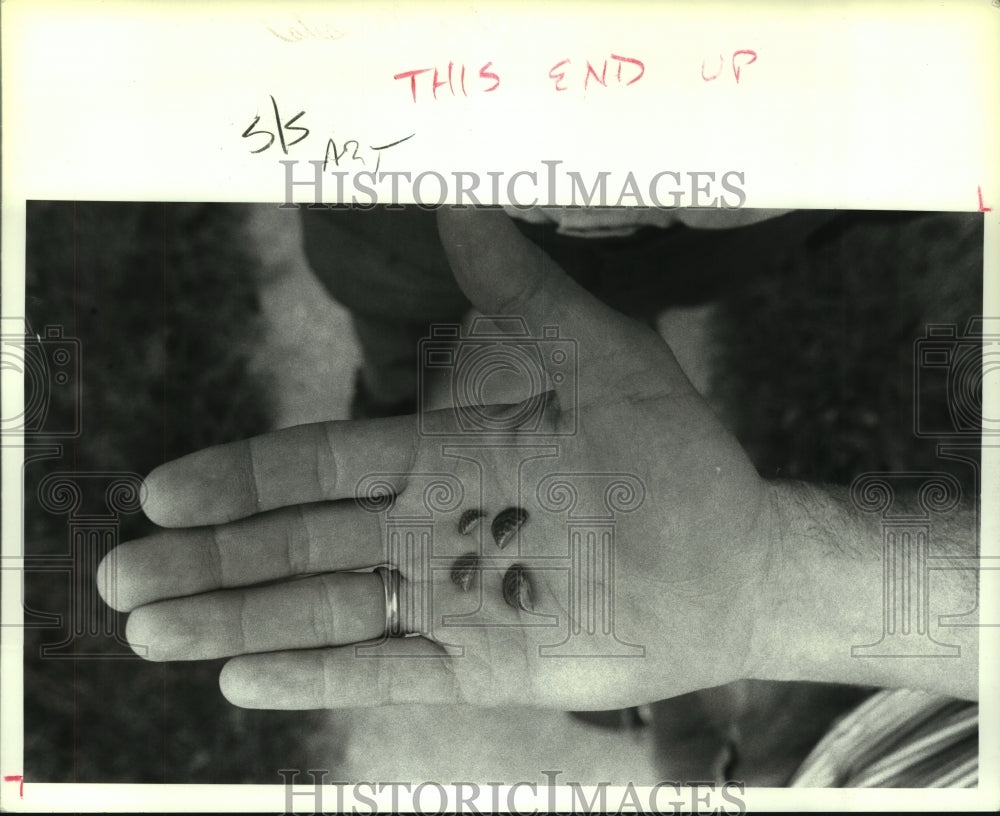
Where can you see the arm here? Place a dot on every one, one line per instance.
(828, 592)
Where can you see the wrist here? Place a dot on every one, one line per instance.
(764, 657)
(822, 604)
(822, 588)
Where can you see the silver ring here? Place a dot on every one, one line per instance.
(390, 585)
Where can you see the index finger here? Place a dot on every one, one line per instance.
(307, 463)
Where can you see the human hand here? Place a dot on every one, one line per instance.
(266, 530)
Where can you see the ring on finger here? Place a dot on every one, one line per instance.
(390, 585)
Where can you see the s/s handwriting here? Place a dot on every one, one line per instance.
(280, 129)
(287, 134)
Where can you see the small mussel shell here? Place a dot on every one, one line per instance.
(517, 588)
(464, 571)
(507, 523)
(470, 520)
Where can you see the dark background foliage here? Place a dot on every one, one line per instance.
(161, 299)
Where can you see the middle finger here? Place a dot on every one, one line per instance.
(285, 543)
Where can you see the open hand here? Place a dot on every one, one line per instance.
(642, 553)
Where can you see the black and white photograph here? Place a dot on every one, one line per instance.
(511, 490)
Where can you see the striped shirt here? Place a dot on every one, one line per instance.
(898, 738)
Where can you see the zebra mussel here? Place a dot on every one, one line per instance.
(464, 571)
(470, 520)
(517, 590)
(506, 524)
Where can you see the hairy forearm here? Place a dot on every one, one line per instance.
(858, 597)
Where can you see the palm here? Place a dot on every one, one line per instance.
(681, 568)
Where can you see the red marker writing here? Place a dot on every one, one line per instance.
(741, 59)
(628, 71)
(982, 206)
(453, 78)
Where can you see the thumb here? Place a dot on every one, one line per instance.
(501, 272)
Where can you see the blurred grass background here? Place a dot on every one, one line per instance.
(162, 299)
(815, 358)
(813, 371)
